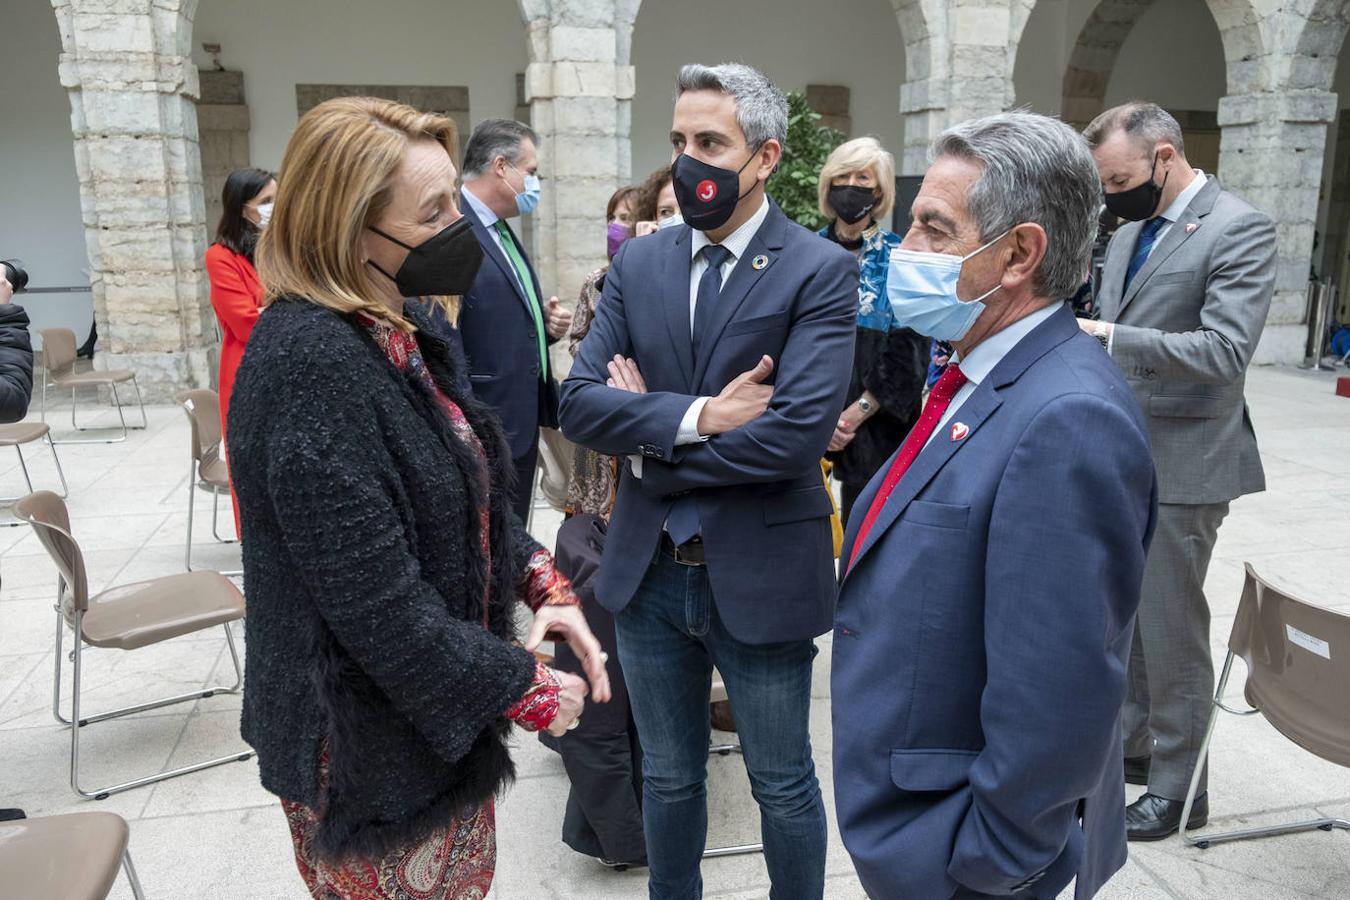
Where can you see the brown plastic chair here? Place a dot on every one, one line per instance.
(58, 371)
(717, 695)
(73, 857)
(127, 617)
(206, 468)
(1298, 677)
(21, 433)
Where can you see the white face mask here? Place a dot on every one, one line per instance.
(264, 213)
(922, 289)
(670, 221)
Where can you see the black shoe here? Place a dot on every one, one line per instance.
(1152, 818)
(622, 866)
(1136, 769)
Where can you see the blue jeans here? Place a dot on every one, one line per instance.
(670, 637)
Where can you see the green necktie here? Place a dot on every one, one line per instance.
(526, 282)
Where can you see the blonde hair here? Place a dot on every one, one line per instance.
(337, 178)
(856, 156)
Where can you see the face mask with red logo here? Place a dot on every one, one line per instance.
(707, 195)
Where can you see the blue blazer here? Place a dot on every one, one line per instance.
(982, 637)
(497, 333)
(763, 506)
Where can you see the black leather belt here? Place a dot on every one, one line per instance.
(690, 553)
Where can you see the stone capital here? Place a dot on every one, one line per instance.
(1269, 107)
(552, 80)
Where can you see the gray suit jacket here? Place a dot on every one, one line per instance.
(1185, 332)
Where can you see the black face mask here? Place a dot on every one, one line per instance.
(1139, 202)
(851, 202)
(707, 195)
(445, 264)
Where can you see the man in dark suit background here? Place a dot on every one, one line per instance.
(505, 325)
(987, 606)
(718, 361)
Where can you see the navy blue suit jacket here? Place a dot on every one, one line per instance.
(497, 332)
(982, 636)
(762, 504)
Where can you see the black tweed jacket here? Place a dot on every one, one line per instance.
(365, 582)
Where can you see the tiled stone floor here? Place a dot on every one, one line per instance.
(217, 834)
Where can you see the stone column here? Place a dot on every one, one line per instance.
(222, 121)
(959, 58)
(1271, 155)
(579, 85)
(132, 89)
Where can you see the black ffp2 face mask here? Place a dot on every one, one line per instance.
(851, 202)
(445, 264)
(707, 194)
(1139, 202)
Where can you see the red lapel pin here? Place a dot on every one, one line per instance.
(960, 430)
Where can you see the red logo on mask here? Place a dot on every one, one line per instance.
(707, 190)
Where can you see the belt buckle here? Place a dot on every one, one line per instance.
(680, 557)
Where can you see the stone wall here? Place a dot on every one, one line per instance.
(222, 126)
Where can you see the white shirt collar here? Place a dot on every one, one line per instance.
(738, 240)
(1183, 200)
(990, 351)
(480, 209)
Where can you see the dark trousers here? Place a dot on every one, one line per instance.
(523, 494)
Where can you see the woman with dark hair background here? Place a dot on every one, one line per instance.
(236, 292)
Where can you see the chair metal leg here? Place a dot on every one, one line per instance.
(81, 721)
(192, 505)
(60, 473)
(737, 849)
(145, 423)
(1204, 841)
(136, 890)
(215, 517)
(27, 480)
(117, 401)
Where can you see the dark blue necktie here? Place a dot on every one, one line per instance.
(1148, 236)
(683, 522)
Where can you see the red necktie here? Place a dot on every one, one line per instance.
(938, 399)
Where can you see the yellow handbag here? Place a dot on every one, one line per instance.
(836, 523)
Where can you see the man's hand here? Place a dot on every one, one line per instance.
(557, 319)
(1090, 326)
(571, 701)
(6, 290)
(646, 226)
(741, 401)
(624, 375)
(567, 622)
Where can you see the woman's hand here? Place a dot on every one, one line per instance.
(571, 701)
(567, 621)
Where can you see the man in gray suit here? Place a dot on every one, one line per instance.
(1183, 301)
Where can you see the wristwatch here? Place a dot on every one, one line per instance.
(1101, 334)
(866, 405)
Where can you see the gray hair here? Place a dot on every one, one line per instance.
(1035, 169)
(1148, 124)
(761, 108)
(492, 138)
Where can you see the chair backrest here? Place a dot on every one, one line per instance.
(203, 411)
(47, 513)
(58, 350)
(1298, 667)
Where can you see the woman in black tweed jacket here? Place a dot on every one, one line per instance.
(381, 562)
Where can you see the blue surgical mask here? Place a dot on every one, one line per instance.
(922, 289)
(670, 221)
(528, 199)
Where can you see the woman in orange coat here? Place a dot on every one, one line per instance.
(236, 292)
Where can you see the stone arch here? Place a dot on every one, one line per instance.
(1094, 55)
(1245, 48)
(1317, 44)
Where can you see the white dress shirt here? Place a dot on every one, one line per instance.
(736, 243)
(985, 357)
